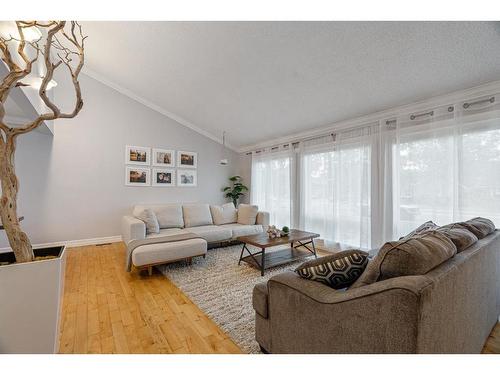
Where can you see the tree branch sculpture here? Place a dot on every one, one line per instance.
(59, 47)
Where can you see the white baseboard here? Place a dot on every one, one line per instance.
(74, 243)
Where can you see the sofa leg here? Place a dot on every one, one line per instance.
(190, 260)
(263, 350)
(150, 270)
(204, 256)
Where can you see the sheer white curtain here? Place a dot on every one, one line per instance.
(271, 187)
(445, 168)
(336, 187)
(378, 182)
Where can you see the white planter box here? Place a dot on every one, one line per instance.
(30, 304)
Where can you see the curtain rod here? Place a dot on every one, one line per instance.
(293, 143)
(491, 100)
(414, 116)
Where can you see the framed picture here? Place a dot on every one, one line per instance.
(186, 177)
(187, 159)
(137, 176)
(163, 177)
(137, 155)
(163, 158)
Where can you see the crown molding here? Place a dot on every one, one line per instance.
(461, 95)
(128, 93)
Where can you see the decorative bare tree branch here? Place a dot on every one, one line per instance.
(62, 46)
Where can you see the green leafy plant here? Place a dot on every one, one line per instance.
(286, 229)
(236, 190)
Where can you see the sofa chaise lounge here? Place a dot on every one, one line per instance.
(186, 231)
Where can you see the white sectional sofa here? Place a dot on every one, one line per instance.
(164, 233)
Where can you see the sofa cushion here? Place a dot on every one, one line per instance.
(168, 252)
(196, 215)
(480, 226)
(461, 237)
(247, 214)
(224, 214)
(167, 232)
(212, 233)
(148, 217)
(428, 225)
(243, 230)
(168, 215)
(413, 256)
(338, 271)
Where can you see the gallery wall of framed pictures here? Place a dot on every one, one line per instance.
(158, 167)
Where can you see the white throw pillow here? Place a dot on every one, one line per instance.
(225, 214)
(149, 217)
(196, 215)
(247, 214)
(169, 215)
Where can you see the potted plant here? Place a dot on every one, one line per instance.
(31, 280)
(236, 190)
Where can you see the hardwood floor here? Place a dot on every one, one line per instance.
(492, 345)
(107, 310)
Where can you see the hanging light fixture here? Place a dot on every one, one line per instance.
(224, 160)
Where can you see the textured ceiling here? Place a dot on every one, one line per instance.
(263, 80)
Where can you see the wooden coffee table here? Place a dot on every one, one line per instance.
(299, 248)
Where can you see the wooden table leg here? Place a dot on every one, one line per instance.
(241, 254)
(314, 248)
(262, 262)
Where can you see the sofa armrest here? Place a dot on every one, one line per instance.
(262, 219)
(322, 293)
(309, 317)
(132, 229)
(259, 299)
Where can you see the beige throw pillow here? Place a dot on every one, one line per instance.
(480, 226)
(247, 214)
(149, 218)
(461, 237)
(425, 227)
(225, 214)
(169, 215)
(409, 257)
(196, 215)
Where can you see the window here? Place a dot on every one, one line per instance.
(479, 187)
(375, 183)
(335, 192)
(447, 175)
(271, 186)
(423, 182)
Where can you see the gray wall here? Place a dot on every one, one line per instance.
(72, 184)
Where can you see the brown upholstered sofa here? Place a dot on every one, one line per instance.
(450, 309)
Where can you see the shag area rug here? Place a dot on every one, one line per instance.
(223, 290)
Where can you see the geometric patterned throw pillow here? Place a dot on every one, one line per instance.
(338, 271)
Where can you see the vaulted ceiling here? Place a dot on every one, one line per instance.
(264, 80)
